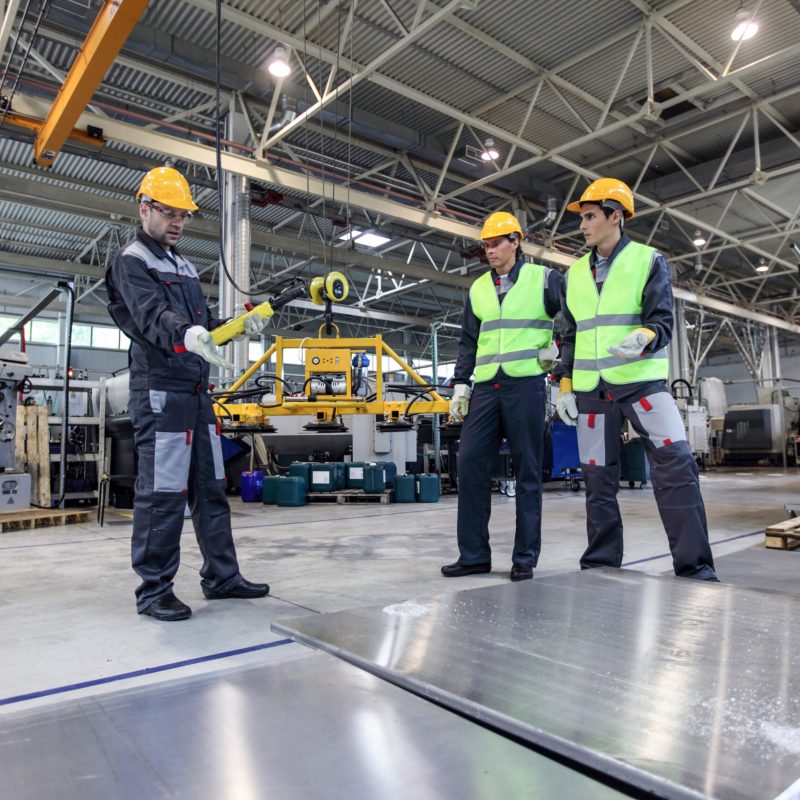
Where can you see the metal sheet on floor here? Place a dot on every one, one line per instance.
(312, 727)
(679, 687)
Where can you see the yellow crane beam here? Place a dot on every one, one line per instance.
(26, 123)
(110, 30)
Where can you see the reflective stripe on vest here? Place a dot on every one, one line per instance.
(606, 319)
(511, 334)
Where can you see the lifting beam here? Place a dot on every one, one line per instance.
(109, 32)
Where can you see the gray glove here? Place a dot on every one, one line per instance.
(198, 340)
(459, 403)
(548, 356)
(633, 344)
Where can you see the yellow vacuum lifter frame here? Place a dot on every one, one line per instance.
(325, 410)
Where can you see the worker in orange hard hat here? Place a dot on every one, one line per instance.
(617, 322)
(506, 348)
(156, 299)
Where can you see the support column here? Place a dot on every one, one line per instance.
(237, 241)
(678, 350)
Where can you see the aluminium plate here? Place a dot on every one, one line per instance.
(680, 688)
(311, 727)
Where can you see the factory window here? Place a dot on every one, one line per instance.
(255, 350)
(81, 335)
(44, 331)
(5, 323)
(107, 338)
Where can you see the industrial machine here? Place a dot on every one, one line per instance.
(14, 370)
(764, 431)
(695, 417)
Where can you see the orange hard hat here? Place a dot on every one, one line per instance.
(604, 189)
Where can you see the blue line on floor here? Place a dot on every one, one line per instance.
(719, 541)
(139, 672)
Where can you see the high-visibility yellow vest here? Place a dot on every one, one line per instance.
(511, 334)
(606, 318)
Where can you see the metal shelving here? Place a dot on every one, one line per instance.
(87, 441)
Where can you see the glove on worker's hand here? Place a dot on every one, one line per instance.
(459, 403)
(253, 325)
(565, 403)
(548, 356)
(198, 340)
(633, 344)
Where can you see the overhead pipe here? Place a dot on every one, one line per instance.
(548, 219)
(287, 115)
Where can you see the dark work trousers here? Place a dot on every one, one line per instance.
(178, 446)
(514, 408)
(674, 475)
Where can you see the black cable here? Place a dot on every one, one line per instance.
(35, 32)
(218, 150)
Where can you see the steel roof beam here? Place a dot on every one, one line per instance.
(205, 155)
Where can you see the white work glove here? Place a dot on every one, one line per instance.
(459, 403)
(198, 340)
(565, 403)
(548, 356)
(633, 344)
(253, 325)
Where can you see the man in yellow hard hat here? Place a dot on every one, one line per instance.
(156, 299)
(507, 346)
(617, 322)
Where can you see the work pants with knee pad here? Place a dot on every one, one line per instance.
(177, 441)
(655, 417)
(514, 408)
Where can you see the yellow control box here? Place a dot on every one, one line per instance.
(327, 360)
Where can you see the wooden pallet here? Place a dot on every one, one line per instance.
(32, 451)
(783, 535)
(344, 496)
(41, 517)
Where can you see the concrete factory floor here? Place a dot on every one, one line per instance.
(70, 628)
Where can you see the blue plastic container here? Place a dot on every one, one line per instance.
(355, 475)
(389, 472)
(292, 491)
(302, 470)
(374, 478)
(269, 492)
(405, 489)
(323, 478)
(339, 475)
(428, 488)
(252, 483)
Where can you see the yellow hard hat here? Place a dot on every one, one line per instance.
(606, 189)
(501, 223)
(166, 185)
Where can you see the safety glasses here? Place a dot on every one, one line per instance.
(170, 213)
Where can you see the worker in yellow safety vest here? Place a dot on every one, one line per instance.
(617, 322)
(506, 344)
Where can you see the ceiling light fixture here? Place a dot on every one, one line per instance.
(490, 153)
(762, 266)
(279, 63)
(370, 239)
(699, 240)
(746, 27)
(351, 234)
